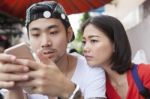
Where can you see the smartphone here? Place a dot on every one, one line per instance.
(21, 51)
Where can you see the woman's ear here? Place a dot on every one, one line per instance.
(69, 34)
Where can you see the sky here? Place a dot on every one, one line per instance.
(75, 21)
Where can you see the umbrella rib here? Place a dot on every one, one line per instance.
(89, 2)
(74, 6)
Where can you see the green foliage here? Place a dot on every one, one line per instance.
(85, 17)
(77, 43)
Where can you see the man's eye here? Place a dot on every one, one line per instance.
(54, 33)
(35, 35)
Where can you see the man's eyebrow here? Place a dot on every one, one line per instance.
(52, 26)
(47, 28)
(34, 29)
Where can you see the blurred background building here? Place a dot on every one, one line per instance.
(134, 14)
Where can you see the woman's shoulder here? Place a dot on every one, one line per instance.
(144, 69)
(144, 73)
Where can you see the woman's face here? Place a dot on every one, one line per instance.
(97, 47)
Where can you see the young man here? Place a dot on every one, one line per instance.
(59, 75)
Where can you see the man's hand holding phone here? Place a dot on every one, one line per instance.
(9, 70)
(9, 76)
(21, 51)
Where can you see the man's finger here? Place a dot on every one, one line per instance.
(7, 58)
(13, 68)
(4, 84)
(13, 77)
(30, 83)
(44, 59)
(31, 64)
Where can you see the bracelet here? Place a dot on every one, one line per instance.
(74, 92)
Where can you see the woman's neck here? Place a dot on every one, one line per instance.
(118, 81)
(113, 76)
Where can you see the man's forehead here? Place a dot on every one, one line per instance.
(45, 23)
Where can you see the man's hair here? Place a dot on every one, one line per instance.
(114, 30)
(47, 9)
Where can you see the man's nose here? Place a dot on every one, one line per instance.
(46, 41)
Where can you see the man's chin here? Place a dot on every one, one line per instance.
(47, 62)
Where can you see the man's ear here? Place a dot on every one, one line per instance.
(69, 34)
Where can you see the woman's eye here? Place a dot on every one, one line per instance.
(94, 41)
(83, 42)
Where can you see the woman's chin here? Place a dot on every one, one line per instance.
(92, 64)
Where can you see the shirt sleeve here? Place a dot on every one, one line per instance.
(29, 96)
(36, 96)
(95, 83)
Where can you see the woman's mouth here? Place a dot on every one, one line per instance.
(88, 57)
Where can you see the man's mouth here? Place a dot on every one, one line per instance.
(48, 53)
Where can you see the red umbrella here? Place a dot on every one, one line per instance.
(17, 8)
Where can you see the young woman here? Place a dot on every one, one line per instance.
(105, 44)
(58, 74)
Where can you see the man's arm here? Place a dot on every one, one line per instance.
(15, 94)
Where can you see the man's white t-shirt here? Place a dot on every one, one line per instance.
(91, 80)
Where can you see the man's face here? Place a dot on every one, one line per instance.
(48, 36)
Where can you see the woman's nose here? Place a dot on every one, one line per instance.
(86, 48)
